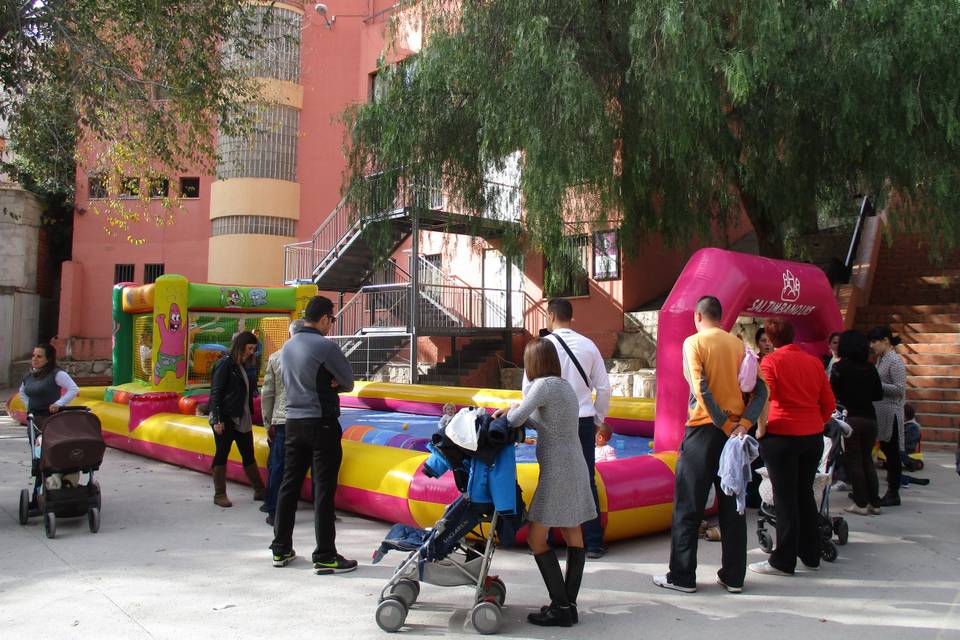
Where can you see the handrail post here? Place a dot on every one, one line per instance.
(414, 295)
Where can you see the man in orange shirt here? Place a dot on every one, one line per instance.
(711, 364)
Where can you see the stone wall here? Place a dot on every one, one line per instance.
(19, 302)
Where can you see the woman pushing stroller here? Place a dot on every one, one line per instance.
(563, 498)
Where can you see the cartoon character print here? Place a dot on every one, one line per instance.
(231, 298)
(258, 297)
(170, 354)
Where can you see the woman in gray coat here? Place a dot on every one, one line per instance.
(889, 410)
(563, 498)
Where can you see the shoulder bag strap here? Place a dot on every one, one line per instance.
(576, 362)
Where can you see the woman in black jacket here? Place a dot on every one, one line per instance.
(856, 385)
(231, 411)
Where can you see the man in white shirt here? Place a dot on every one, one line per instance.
(589, 376)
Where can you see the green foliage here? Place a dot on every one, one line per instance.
(676, 117)
(142, 80)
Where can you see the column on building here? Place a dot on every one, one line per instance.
(255, 200)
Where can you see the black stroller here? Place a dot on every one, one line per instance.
(833, 442)
(442, 556)
(67, 442)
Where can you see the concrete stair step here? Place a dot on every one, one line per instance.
(923, 297)
(932, 382)
(922, 309)
(909, 329)
(939, 420)
(915, 395)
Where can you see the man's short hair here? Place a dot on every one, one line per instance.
(295, 326)
(710, 308)
(561, 308)
(318, 307)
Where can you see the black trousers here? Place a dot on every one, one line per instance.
(311, 443)
(696, 471)
(592, 529)
(891, 451)
(860, 467)
(792, 464)
(226, 439)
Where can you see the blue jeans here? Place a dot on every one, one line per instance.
(275, 467)
(592, 530)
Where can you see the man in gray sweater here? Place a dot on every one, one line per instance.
(314, 372)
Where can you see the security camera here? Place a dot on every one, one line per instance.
(322, 10)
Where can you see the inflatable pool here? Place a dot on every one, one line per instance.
(380, 478)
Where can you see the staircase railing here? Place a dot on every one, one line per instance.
(378, 197)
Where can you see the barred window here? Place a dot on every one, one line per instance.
(122, 273)
(151, 272)
(159, 187)
(270, 151)
(253, 225)
(129, 187)
(277, 55)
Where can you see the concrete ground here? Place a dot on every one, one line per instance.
(168, 564)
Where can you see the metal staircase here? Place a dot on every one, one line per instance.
(381, 212)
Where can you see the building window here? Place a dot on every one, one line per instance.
(97, 187)
(129, 187)
(159, 187)
(606, 255)
(122, 273)
(269, 151)
(189, 187)
(569, 277)
(151, 272)
(253, 225)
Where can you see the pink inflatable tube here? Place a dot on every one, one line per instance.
(746, 285)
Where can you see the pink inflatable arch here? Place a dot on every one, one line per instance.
(746, 285)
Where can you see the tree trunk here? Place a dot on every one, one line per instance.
(769, 233)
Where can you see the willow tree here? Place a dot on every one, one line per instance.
(132, 88)
(673, 117)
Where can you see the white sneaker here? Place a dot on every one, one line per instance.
(807, 567)
(728, 587)
(767, 569)
(661, 581)
(840, 485)
(860, 511)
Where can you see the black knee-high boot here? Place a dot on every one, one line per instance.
(558, 613)
(576, 559)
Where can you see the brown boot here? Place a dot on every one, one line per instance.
(253, 475)
(220, 487)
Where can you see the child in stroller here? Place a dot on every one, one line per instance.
(833, 435)
(441, 556)
(69, 443)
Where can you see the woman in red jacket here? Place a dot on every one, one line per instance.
(801, 402)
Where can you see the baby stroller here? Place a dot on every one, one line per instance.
(833, 447)
(68, 441)
(442, 556)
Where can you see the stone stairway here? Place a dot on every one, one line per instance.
(921, 303)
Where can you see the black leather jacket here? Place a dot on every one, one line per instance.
(228, 391)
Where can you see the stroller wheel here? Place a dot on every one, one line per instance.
(24, 506)
(486, 618)
(391, 614)
(406, 590)
(496, 590)
(766, 541)
(828, 550)
(50, 525)
(93, 519)
(842, 529)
